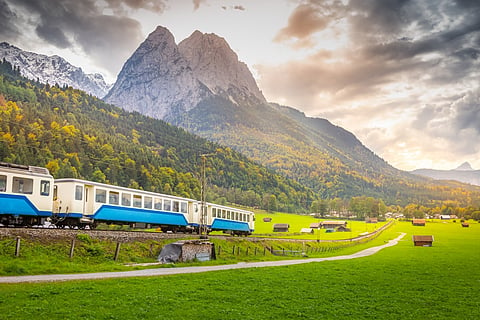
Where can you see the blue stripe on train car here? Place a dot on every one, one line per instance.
(220, 224)
(70, 215)
(19, 205)
(125, 214)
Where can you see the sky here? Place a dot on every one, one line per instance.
(403, 76)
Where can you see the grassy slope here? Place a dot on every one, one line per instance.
(401, 282)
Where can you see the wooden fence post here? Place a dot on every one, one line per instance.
(117, 251)
(17, 247)
(72, 248)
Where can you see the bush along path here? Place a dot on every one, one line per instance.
(181, 270)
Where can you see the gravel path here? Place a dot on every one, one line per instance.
(181, 270)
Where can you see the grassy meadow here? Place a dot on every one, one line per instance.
(297, 222)
(400, 282)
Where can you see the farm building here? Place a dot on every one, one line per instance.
(422, 241)
(343, 229)
(371, 220)
(333, 224)
(465, 224)
(306, 230)
(315, 225)
(418, 222)
(267, 219)
(281, 227)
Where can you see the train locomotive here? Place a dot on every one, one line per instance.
(30, 196)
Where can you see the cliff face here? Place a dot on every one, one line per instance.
(157, 80)
(163, 80)
(217, 66)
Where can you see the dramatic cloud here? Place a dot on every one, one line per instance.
(405, 64)
(109, 39)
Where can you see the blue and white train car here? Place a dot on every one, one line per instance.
(230, 220)
(98, 202)
(25, 194)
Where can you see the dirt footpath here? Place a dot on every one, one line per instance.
(169, 271)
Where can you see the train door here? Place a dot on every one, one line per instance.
(88, 208)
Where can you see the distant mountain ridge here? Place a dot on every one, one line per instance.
(464, 173)
(52, 70)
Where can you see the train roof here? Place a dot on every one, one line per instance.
(41, 171)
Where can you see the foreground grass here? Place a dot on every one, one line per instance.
(401, 282)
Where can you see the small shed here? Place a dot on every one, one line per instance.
(465, 224)
(371, 220)
(187, 250)
(418, 222)
(306, 230)
(333, 224)
(267, 219)
(281, 227)
(343, 229)
(422, 241)
(316, 225)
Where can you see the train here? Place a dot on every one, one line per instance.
(30, 196)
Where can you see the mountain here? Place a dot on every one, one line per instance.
(52, 70)
(464, 173)
(163, 80)
(201, 85)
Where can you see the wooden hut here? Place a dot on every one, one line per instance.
(422, 241)
(333, 224)
(465, 224)
(267, 219)
(306, 230)
(371, 220)
(281, 227)
(418, 222)
(315, 225)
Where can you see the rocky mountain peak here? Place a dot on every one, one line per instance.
(156, 80)
(217, 66)
(52, 70)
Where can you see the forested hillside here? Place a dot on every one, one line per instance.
(321, 156)
(74, 134)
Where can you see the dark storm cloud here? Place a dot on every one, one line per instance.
(8, 28)
(108, 39)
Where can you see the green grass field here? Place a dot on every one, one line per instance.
(400, 282)
(297, 222)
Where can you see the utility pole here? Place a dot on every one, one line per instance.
(202, 230)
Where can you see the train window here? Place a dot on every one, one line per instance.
(158, 204)
(44, 188)
(167, 205)
(137, 201)
(78, 193)
(126, 199)
(236, 215)
(101, 196)
(22, 185)
(3, 183)
(176, 206)
(228, 214)
(224, 212)
(183, 207)
(214, 212)
(113, 197)
(147, 202)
